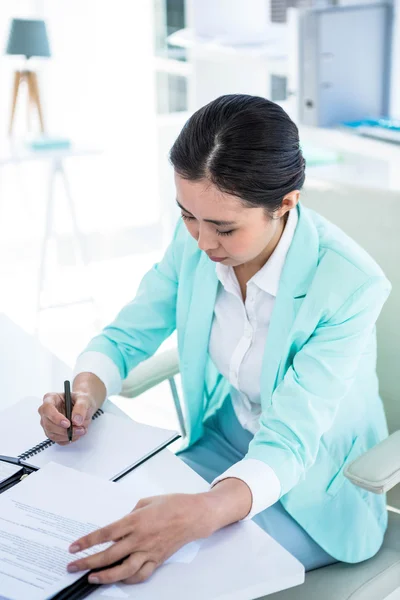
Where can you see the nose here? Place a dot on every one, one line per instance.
(206, 241)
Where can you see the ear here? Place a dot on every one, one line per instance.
(289, 202)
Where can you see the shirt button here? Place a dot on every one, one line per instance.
(248, 333)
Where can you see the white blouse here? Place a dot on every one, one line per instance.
(239, 329)
(237, 341)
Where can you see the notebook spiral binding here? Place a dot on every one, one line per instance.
(47, 443)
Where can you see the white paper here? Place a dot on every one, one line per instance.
(185, 554)
(114, 591)
(110, 447)
(41, 517)
(7, 470)
(140, 479)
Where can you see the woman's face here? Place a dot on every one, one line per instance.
(223, 227)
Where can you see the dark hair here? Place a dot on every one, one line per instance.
(246, 146)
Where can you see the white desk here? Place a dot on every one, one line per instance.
(366, 162)
(240, 562)
(18, 154)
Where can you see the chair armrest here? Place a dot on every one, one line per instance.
(151, 372)
(378, 470)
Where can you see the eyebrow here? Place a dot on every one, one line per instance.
(222, 223)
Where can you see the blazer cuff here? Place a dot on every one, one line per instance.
(263, 482)
(103, 367)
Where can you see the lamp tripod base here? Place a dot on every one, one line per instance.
(30, 79)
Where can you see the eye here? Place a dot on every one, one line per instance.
(225, 232)
(186, 217)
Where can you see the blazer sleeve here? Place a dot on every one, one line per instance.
(304, 405)
(140, 327)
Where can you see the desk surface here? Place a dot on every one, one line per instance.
(17, 153)
(240, 562)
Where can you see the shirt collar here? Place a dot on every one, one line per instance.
(267, 278)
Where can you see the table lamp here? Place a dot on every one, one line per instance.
(28, 38)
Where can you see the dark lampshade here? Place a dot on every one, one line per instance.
(29, 38)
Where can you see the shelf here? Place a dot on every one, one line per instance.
(173, 67)
(274, 47)
(344, 141)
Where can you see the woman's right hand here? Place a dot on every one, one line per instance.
(88, 395)
(54, 421)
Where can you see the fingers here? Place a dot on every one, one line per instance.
(62, 440)
(105, 558)
(142, 574)
(53, 410)
(133, 569)
(53, 419)
(83, 409)
(110, 533)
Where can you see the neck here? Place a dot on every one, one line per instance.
(252, 267)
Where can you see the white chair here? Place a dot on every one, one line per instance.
(371, 218)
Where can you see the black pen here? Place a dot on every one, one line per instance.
(68, 407)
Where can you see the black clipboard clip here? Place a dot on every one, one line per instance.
(17, 477)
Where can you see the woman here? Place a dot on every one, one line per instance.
(275, 311)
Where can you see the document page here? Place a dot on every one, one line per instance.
(40, 517)
(7, 470)
(111, 445)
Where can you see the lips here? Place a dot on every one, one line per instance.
(216, 258)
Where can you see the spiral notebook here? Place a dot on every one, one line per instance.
(113, 446)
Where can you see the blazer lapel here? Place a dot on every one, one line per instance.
(297, 274)
(196, 338)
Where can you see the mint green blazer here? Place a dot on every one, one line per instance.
(319, 390)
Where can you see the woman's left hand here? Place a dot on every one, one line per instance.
(151, 533)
